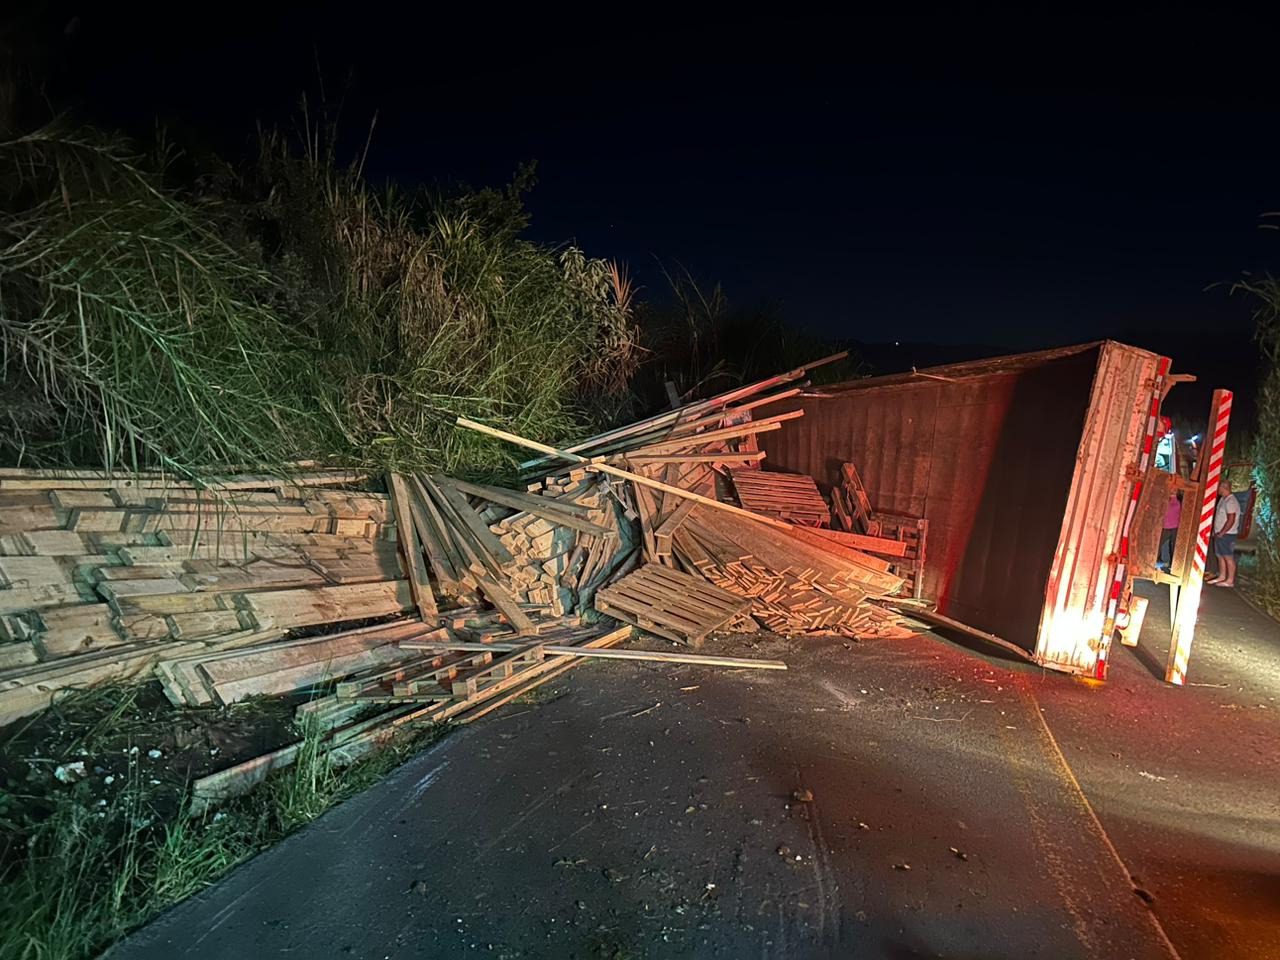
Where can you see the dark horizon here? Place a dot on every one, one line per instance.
(1001, 184)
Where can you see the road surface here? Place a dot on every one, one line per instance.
(964, 805)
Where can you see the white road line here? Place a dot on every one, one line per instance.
(1102, 831)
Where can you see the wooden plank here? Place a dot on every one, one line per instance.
(166, 603)
(715, 436)
(814, 539)
(727, 456)
(34, 690)
(76, 499)
(456, 507)
(666, 531)
(21, 653)
(411, 549)
(506, 604)
(443, 536)
(430, 537)
(21, 519)
(556, 650)
(857, 541)
(546, 507)
(691, 410)
(295, 676)
(32, 572)
(280, 609)
(116, 590)
(205, 625)
(55, 543)
(75, 629)
(17, 599)
(646, 508)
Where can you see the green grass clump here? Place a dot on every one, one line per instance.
(87, 874)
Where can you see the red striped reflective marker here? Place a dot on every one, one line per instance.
(1184, 629)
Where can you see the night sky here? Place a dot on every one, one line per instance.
(996, 184)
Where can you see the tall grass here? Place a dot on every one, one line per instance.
(132, 333)
(283, 310)
(428, 307)
(1265, 292)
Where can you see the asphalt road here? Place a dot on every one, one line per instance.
(964, 805)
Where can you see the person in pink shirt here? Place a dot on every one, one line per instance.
(1172, 517)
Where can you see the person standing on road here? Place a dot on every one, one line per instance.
(1226, 525)
(1172, 517)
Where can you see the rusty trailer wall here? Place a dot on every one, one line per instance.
(988, 453)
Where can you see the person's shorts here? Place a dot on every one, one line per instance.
(1224, 545)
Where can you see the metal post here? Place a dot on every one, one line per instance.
(1209, 470)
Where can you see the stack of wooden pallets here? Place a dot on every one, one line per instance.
(899, 539)
(785, 496)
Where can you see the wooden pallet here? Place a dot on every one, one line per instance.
(911, 534)
(793, 497)
(851, 505)
(670, 604)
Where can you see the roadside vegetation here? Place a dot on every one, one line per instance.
(1263, 574)
(81, 864)
(158, 315)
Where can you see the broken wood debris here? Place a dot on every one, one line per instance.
(898, 538)
(265, 587)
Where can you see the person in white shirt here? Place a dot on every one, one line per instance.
(1226, 526)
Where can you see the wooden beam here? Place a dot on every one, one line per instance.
(661, 656)
(713, 436)
(554, 511)
(723, 399)
(456, 504)
(858, 541)
(445, 539)
(727, 457)
(411, 548)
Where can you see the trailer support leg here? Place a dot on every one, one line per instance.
(1209, 471)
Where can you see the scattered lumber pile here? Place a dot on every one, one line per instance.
(690, 481)
(441, 599)
(101, 577)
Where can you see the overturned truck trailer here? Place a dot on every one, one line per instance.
(1029, 470)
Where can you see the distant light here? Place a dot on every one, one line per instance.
(897, 343)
